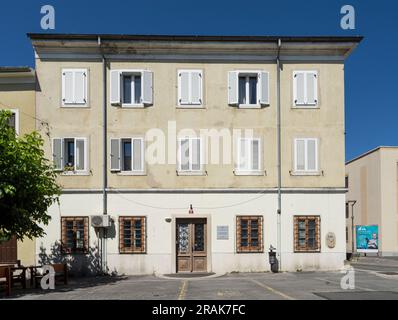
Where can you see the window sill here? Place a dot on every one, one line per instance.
(249, 106)
(72, 173)
(74, 106)
(306, 173)
(132, 106)
(250, 173)
(130, 173)
(306, 106)
(191, 173)
(190, 106)
(307, 251)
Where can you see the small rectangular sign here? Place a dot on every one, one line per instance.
(222, 233)
(367, 238)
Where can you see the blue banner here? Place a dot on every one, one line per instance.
(367, 238)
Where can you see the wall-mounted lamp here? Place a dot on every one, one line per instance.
(190, 209)
(168, 220)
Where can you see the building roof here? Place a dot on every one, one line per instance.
(370, 152)
(197, 47)
(15, 69)
(17, 75)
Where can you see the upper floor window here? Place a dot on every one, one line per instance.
(190, 88)
(74, 234)
(307, 234)
(190, 155)
(127, 155)
(305, 89)
(74, 87)
(13, 120)
(248, 89)
(131, 88)
(306, 155)
(248, 157)
(70, 154)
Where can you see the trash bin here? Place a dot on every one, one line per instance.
(273, 261)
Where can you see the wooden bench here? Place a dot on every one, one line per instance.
(60, 269)
(5, 278)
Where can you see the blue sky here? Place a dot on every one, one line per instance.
(371, 72)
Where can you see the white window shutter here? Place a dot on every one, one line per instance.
(147, 87)
(255, 149)
(299, 88)
(311, 88)
(80, 154)
(137, 151)
(311, 154)
(57, 154)
(184, 154)
(264, 88)
(196, 87)
(300, 154)
(80, 89)
(232, 87)
(196, 154)
(242, 154)
(115, 87)
(67, 87)
(115, 154)
(183, 87)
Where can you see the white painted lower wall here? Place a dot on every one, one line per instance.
(219, 209)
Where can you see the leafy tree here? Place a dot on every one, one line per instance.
(27, 183)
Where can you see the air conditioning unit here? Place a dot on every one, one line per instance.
(103, 221)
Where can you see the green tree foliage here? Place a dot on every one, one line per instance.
(27, 183)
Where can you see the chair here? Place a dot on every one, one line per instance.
(60, 269)
(5, 278)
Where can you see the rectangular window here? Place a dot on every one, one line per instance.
(305, 88)
(306, 155)
(190, 84)
(132, 231)
(74, 87)
(127, 155)
(13, 121)
(131, 88)
(307, 234)
(74, 234)
(70, 154)
(248, 88)
(190, 155)
(249, 235)
(248, 155)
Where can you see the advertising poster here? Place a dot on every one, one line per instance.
(367, 238)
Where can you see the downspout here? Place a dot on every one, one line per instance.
(104, 159)
(279, 155)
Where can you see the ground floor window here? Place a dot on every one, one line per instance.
(249, 235)
(74, 234)
(132, 234)
(307, 234)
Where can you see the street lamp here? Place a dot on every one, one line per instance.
(352, 202)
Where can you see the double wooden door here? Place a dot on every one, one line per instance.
(191, 245)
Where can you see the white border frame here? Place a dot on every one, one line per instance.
(74, 104)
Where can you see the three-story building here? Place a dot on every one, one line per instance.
(203, 150)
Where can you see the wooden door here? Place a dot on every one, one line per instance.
(8, 251)
(191, 245)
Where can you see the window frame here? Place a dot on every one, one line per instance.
(305, 105)
(190, 104)
(317, 240)
(250, 73)
(132, 171)
(249, 170)
(250, 249)
(131, 73)
(190, 171)
(16, 113)
(134, 250)
(86, 238)
(306, 170)
(75, 171)
(74, 104)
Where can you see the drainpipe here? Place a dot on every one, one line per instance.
(104, 167)
(352, 202)
(279, 154)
